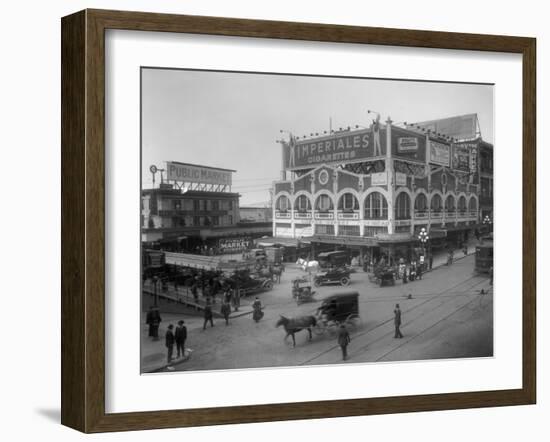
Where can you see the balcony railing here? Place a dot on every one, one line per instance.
(421, 214)
(302, 214)
(282, 214)
(324, 215)
(348, 214)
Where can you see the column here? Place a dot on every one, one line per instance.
(390, 173)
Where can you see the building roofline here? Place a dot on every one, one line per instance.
(200, 165)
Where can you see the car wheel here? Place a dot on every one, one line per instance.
(344, 281)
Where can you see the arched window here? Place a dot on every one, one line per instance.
(421, 203)
(462, 204)
(450, 204)
(324, 203)
(376, 206)
(473, 204)
(348, 202)
(436, 203)
(403, 206)
(283, 203)
(302, 204)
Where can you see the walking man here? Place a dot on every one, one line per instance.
(397, 321)
(343, 341)
(207, 315)
(181, 336)
(170, 342)
(226, 311)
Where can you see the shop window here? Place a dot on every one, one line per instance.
(403, 206)
(349, 231)
(376, 206)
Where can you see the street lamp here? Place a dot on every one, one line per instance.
(487, 223)
(423, 237)
(155, 299)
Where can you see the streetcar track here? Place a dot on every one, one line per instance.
(426, 329)
(432, 298)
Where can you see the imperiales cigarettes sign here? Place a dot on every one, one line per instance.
(197, 174)
(336, 148)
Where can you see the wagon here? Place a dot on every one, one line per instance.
(301, 290)
(337, 309)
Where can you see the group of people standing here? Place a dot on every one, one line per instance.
(172, 338)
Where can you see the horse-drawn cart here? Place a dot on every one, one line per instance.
(301, 290)
(383, 276)
(337, 309)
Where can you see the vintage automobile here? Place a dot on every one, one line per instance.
(337, 275)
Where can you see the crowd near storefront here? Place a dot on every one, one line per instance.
(372, 190)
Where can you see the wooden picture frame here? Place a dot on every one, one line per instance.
(83, 219)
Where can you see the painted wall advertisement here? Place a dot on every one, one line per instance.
(400, 179)
(379, 179)
(461, 157)
(440, 153)
(336, 148)
(196, 174)
(407, 144)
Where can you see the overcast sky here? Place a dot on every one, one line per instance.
(232, 120)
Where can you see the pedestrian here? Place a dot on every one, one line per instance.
(225, 311)
(419, 271)
(431, 261)
(404, 275)
(208, 315)
(180, 336)
(195, 292)
(397, 321)
(257, 307)
(236, 299)
(343, 341)
(491, 275)
(170, 342)
(465, 249)
(153, 320)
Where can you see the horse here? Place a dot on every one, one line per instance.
(308, 266)
(293, 325)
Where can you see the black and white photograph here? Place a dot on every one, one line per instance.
(300, 220)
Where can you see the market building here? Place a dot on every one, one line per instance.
(194, 210)
(371, 190)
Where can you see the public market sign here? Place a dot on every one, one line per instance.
(336, 148)
(190, 173)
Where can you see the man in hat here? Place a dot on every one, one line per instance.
(170, 340)
(208, 315)
(397, 321)
(226, 311)
(343, 341)
(181, 336)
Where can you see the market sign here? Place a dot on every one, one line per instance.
(407, 144)
(342, 147)
(461, 157)
(440, 153)
(190, 173)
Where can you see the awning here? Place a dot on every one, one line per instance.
(285, 242)
(345, 240)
